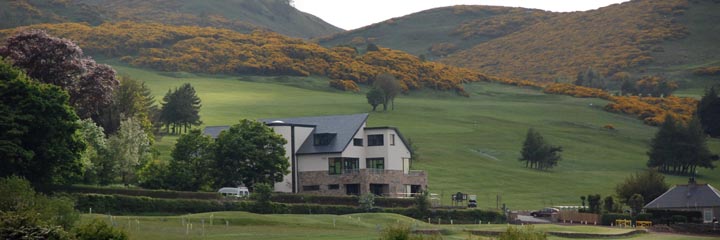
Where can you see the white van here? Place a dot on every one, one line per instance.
(238, 192)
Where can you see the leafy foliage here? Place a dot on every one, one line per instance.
(679, 148)
(527, 233)
(390, 88)
(98, 229)
(375, 97)
(708, 111)
(650, 184)
(367, 202)
(38, 130)
(536, 153)
(94, 159)
(249, 153)
(131, 99)
(345, 85)
(636, 203)
(61, 62)
(20, 204)
(129, 148)
(191, 164)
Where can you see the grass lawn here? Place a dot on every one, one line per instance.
(469, 145)
(243, 225)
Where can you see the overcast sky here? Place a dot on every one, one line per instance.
(352, 14)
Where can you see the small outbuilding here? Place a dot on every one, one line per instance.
(692, 197)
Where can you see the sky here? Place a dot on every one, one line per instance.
(352, 14)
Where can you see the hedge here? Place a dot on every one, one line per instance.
(138, 192)
(340, 200)
(121, 205)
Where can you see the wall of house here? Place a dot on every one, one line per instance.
(396, 181)
(301, 133)
(393, 154)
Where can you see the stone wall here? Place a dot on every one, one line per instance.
(395, 179)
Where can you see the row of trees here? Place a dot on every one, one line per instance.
(247, 153)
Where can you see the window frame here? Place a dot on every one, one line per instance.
(371, 163)
(376, 140)
(335, 166)
(358, 142)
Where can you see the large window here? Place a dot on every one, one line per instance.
(358, 142)
(335, 166)
(343, 165)
(376, 163)
(376, 140)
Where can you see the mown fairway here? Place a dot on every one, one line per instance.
(242, 225)
(466, 144)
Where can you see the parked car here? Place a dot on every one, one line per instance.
(238, 192)
(472, 203)
(545, 212)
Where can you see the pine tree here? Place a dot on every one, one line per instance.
(708, 110)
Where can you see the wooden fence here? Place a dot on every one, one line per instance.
(578, 217)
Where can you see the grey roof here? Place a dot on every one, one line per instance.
(214, 131)
(344, 126)
(687, 196)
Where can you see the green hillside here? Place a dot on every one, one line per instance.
(239, 15)
(434, 33)
(466, 144)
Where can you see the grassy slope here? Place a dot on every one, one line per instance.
(242, 225)
(466, 144)
(417, 32)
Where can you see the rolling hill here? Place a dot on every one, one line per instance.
(240, 15)
(667, 37)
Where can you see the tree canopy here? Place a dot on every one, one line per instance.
(678, 148)
(249, 153)
(180, 109)
(191, 164)
(62, 63)
(536, 153)
(375, 97)
(390, 87)
(38, 130)
(649, 184)
(708, 110)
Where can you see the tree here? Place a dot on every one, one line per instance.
(38, 130)
(132, 99)
(371, 47)
(628, 88)
(536, 153)
(191, 165)
(62, 63)
(249, 153)
(94, 159)
(680, 149)
(390, 87)
(650, 184)
(708, 110)
(609, 204)
(590, 78)
(367, 202)
(129, 148)
(594, 202)
(375, 97)
(181, 108)
(636, 203)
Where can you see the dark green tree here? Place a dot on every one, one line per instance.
(708, 110)
(39, 137)
(249, 153)
(390, 87)
(191, 162)
(181, 109)
(628, 88)
(536, 153)
(636, 203)
(594, 202)
(680, 149)
(609, 204)
(650, 184)
(375, 97)
(132, 99)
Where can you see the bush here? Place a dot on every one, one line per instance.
(367, 202)
(525, 233)
(15, 225)
(345, 85)
(402, 232)
(608, 218)
(16, 195)
(98, 230)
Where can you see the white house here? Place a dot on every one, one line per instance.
(339, 155)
